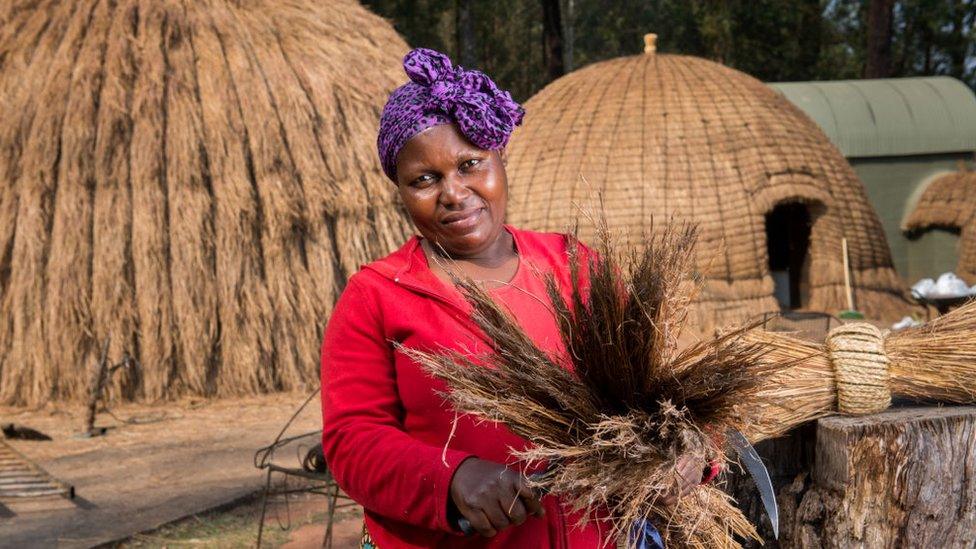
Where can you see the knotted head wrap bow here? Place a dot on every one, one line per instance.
(440, 93)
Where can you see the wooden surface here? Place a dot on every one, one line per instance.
(901, 478)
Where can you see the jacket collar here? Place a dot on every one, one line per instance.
(408, 267)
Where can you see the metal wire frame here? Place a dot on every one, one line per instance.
(321, 482)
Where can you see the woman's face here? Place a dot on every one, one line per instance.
(455, 192)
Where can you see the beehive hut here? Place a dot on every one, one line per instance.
(669, 135)
(192, 181)
(949, 202)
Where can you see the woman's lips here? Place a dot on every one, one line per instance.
(463, 220)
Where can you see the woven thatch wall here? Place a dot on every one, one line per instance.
(194, 179)
(664, 135)
(950, 202)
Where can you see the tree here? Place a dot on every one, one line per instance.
(569, 22)
(928, 37)
(467, 43)
(878, 62)
(524, 44)
(552, 37)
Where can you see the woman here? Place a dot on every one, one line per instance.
(392, 442)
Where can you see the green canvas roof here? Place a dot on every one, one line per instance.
(890, 117)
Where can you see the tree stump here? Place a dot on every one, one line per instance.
(902, 478)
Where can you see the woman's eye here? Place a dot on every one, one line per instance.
(422, 181)
(470, 163)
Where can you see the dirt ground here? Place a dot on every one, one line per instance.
(160, 463)
(299, 524)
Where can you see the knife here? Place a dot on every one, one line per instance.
(753, 463)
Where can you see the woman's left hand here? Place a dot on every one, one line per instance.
(689, 471)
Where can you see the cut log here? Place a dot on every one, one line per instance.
(902, 478)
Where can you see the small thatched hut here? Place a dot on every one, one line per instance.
(669, 135)
(192, 179)
(949, 202)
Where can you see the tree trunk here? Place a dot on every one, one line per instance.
(552, 38)
(467, 42)
(958, 44)
(908, 45)
(810, 37)
(902, 478)
(878, 63)
(569, 31)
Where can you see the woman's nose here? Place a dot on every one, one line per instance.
(453, 190)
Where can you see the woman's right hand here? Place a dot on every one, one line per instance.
(492, 497)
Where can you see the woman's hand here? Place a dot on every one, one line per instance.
(689, 471)
(492, 497)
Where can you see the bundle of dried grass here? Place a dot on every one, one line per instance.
(613, 421)
(613, 416)
(859, 369)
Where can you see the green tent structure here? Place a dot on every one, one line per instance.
(900, 135)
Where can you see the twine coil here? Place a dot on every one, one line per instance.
(857, 354)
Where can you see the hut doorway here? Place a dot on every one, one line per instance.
(787, 243)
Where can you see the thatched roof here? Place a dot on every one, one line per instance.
(194, 180)
(662, 135)
(949, 202)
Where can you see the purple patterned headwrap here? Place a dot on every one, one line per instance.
(440, 93)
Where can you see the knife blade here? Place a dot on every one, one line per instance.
(753, 463)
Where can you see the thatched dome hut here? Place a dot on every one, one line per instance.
(193, 180)
(949, 202)
(670, 135)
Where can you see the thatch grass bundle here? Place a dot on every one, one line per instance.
(612, 417)
(613, 420)
(860, 368)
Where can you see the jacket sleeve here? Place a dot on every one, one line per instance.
(711, 471)
(371, 457)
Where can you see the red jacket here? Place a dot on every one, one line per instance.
(387, 434)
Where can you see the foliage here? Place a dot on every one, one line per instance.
(508, 36)
(928, 36)
(773, 40)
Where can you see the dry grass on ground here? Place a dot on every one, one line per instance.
(301, 524)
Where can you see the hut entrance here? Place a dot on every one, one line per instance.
(787, 242)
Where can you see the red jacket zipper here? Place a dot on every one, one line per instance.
(562, 539)
(460, 314)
